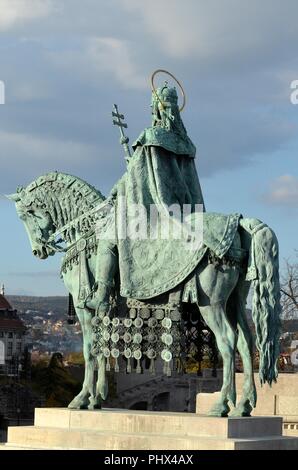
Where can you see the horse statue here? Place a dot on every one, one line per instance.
(236, 252)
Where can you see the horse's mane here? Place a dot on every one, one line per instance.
(64, 196)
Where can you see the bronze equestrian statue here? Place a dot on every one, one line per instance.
(137, 261)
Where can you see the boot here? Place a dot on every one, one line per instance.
(106, 264)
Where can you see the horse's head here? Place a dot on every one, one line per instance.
(49, 205)
(38, 223)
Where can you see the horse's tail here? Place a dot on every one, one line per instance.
(263, 270)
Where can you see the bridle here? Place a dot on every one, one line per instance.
(51, 241)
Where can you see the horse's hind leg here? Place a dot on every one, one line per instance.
(215, 285)
(245, 348)
(216, 318)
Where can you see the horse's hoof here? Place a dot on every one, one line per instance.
(221, 410)
(243, 409)
(94, 404)
(80, 402)
(78, 406)
(94, 407)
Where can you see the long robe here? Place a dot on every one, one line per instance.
(155, 176)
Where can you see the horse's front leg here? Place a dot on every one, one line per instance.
(82, 400)
(101, 390)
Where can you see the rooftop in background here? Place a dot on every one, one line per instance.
(4, 304)
(11, 323)
(9, 319)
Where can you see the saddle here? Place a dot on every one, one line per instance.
(156, 328)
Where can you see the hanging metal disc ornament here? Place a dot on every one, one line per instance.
(106, 335)
(106, 321)
(137, 339)
(115, 353)
(106, 352)
(137, 354)
(115, 322)
(138, 323)
(167, 323)
(152, 322)
(115, 337)
(153, 332)
(127, 337)
(127, 322)
(151, 354)
(166, 355)
(127, 353)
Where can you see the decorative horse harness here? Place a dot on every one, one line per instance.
(146, 330)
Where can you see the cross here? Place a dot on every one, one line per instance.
(122, 125)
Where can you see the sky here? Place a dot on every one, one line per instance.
(65, 63)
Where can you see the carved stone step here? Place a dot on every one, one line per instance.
(134, 421)
(15, 447)
(136, 430)
(59, 438)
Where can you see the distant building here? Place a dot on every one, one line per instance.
(160, 392)
(12, 337)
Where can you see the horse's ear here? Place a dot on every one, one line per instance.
(13, 197)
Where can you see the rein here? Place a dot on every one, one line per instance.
(53, 245)
(77, 219)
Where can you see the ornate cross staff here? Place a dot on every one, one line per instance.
(124, 139)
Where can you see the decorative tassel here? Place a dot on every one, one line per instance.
(127, 355)
(128, 367)
(71, 311)
(152, 367)
(139, 368)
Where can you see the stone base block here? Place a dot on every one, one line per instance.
(136, 430)
(271, 405)
(266, 406)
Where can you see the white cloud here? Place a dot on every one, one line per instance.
(283, 191)
(114, 56)
(40, 153)
(27, 92)
(173, 26)
(13, 12)
(216, 29)
(235, 110)
(101, 61)
(195, 29)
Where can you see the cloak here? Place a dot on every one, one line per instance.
(156, 179)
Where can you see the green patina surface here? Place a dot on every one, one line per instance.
(153, 281)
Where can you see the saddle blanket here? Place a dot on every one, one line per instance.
(151, 267)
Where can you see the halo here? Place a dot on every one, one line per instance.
(177, 81)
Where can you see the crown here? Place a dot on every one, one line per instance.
(165, 95)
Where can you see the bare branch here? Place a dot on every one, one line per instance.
(289, 290)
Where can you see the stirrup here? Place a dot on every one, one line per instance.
(83, 303)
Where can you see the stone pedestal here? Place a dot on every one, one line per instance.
(279, 400)
(136, 430)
